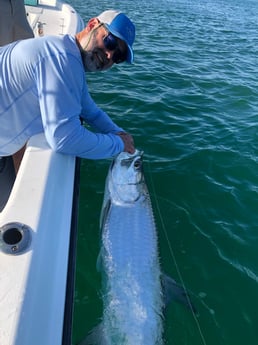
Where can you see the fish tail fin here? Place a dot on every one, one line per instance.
(95, 337)
(173, 291)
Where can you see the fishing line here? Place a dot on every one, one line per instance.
(173, 256)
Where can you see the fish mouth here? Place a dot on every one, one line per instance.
(127, 155)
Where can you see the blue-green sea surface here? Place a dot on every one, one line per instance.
(191, 102)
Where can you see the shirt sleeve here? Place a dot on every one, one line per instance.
(96, 117)
(63, 98)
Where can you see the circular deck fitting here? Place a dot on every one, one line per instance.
(15, 238)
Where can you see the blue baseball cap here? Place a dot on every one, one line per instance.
(120, 26)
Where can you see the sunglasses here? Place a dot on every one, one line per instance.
(111, 43)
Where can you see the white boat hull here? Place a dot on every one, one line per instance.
(53, 18)
(33, 282)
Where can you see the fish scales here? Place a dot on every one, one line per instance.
(134, 227)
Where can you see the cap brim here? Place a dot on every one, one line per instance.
(130, 54)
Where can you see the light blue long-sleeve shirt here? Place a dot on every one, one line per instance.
(43, 89)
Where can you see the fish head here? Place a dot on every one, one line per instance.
(126, 177)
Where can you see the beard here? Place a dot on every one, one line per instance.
(94, 60)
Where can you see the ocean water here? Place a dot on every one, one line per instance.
(191, 102)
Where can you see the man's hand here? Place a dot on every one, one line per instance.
(128, 142)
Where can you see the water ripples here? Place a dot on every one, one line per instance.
(190, 100)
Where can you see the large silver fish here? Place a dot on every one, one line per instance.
(132, 291)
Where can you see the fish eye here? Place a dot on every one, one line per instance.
(137, 164)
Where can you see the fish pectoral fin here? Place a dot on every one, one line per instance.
(104, 212)
(174, 292)
(95, 337)
(99, 262)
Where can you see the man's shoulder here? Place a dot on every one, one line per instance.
(65, 42)
(50, 46)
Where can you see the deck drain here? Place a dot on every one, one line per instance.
(15, 238)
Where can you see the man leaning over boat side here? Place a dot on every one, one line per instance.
(14, 26)
(43, 89)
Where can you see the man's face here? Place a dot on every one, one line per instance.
(102, 49)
